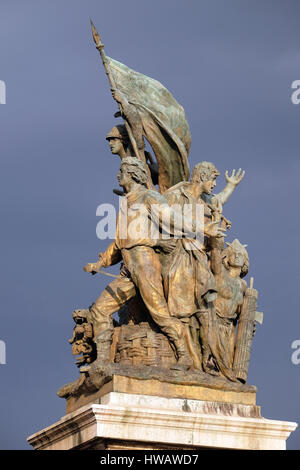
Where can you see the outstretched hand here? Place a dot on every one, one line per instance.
(235, 179)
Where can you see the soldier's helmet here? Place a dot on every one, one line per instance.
(118, 132)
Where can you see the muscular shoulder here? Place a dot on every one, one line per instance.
(177, 188)
(154, 197)
(174, 193)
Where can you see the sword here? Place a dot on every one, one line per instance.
(108, 274)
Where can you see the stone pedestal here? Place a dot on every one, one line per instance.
(126, 420)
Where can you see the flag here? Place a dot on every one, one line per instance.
(163, 119)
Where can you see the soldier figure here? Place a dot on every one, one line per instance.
(120, 144)
(142, 266)
(190, 283)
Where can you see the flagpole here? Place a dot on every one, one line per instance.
(100, 48)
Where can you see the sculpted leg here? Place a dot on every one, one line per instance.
(145, 268)
(204, 325)
(206, 337)
(114, 296)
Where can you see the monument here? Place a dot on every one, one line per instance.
(163, 352)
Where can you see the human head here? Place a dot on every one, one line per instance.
(235, 255)
(205, 173)
(136, 168)
(118, 139)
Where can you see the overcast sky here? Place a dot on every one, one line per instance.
(231, 65)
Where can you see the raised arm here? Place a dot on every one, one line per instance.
(232, 181)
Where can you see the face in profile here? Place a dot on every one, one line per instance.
(209, 185)
(115, 145)
(123, 176)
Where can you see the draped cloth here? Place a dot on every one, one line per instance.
(163, 120)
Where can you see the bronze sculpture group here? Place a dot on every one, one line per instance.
(183, 309)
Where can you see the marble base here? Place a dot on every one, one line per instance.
(245, 395)
(134, 421)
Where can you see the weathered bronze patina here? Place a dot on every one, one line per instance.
(185, 315)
